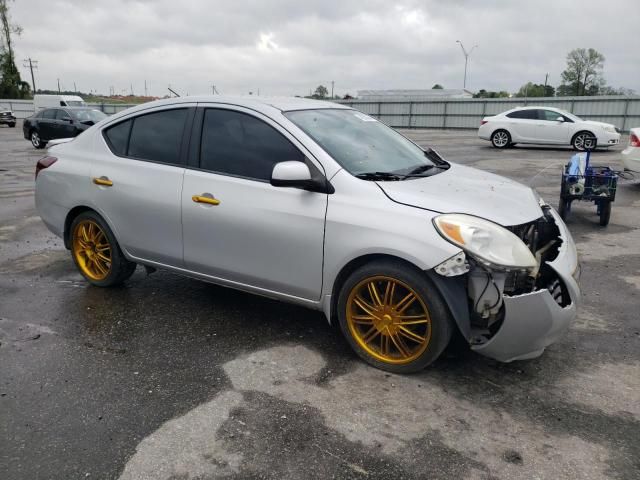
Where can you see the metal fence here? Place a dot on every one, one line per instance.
(25, 108)
(621, 111)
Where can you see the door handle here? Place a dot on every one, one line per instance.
(205, 198)
(103, 181)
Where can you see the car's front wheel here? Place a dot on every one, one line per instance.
(96, 252)
(36, 141)
(578, 140)
(393, 317)
(501, 139)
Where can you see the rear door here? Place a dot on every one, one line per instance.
(47, 124)
(522, 125)
(550, 130)
(137, 174)
(257, 235)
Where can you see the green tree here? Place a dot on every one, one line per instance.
(583, 75)
(531, 89)
(437, 86)
(320, 92)
(482, 93)
(11, 85)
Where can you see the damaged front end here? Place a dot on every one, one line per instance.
(513, 313)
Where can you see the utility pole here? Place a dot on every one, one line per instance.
(59, 86)
(332, 82)
(213, 89)
(74, 87)
(145, 88)
(32, 64)
(131, 85)
(466, 60)
(546, 78)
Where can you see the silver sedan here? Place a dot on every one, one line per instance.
(317, 204)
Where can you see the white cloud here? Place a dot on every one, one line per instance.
(287, 47)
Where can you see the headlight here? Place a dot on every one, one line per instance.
(486, 241)
(610, 129)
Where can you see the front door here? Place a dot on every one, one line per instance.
(550, 130)
(237, 226)
(137, 182)
(64, 125)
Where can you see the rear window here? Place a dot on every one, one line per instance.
(154, 136)
(524, 114)
(118, 137)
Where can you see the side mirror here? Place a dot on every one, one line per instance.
(297, 174)
(560, 119)
(68, 120)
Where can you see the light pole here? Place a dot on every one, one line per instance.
(466, 60)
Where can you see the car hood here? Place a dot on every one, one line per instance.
(467, 190)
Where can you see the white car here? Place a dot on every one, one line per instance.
(631, 154)
(545, 126)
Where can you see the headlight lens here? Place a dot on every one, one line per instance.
(486, 241)
(610, 129)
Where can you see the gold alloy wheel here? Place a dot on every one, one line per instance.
(92, 250)
(389, 320)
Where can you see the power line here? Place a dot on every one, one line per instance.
(31, 64)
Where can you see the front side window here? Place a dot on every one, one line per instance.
(49, 114)
(235, 143)
(359, 143)
(88, 116)
(62, 115)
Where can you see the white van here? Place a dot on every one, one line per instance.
(47, 101)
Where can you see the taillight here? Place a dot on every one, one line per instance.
(44, 162)
(634, 141)
(482, 122)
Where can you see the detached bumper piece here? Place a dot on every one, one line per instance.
(536, 310)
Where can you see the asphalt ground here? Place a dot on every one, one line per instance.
(173, 378)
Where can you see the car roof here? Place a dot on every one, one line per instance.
(539, 107)
(284, 104)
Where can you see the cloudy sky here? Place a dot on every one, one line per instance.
(287, 47)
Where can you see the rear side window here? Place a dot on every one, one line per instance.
(49, 114)
(524, 114)
(155, 136)
(239, 144)
(118, 137)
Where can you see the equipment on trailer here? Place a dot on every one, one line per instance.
(591, 183)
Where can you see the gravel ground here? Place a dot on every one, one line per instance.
(172, 378)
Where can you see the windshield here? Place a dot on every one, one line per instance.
(88, 115)
(359, 143)
(75, 103)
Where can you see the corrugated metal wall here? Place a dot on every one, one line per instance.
(622, 111)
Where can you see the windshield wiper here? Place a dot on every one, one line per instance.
(380, 176)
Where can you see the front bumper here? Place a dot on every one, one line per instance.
(535, 320)
(608, 138)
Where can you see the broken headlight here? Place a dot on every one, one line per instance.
(487, 242)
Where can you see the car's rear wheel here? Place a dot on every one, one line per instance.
(501, 139)
(12, 125)
(36, 141)
(578, 140)
(393, 317)
(96, 252)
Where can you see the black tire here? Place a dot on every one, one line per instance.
(121, 268)
(440, 321)
(563, 208)
(577, 142)
(12, 125)
(501, 139)
(605, 213)
(36, 141)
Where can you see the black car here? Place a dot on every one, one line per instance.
(7, 118)
(51, 123)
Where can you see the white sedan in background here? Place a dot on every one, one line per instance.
(545, 126)
(631, 154)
